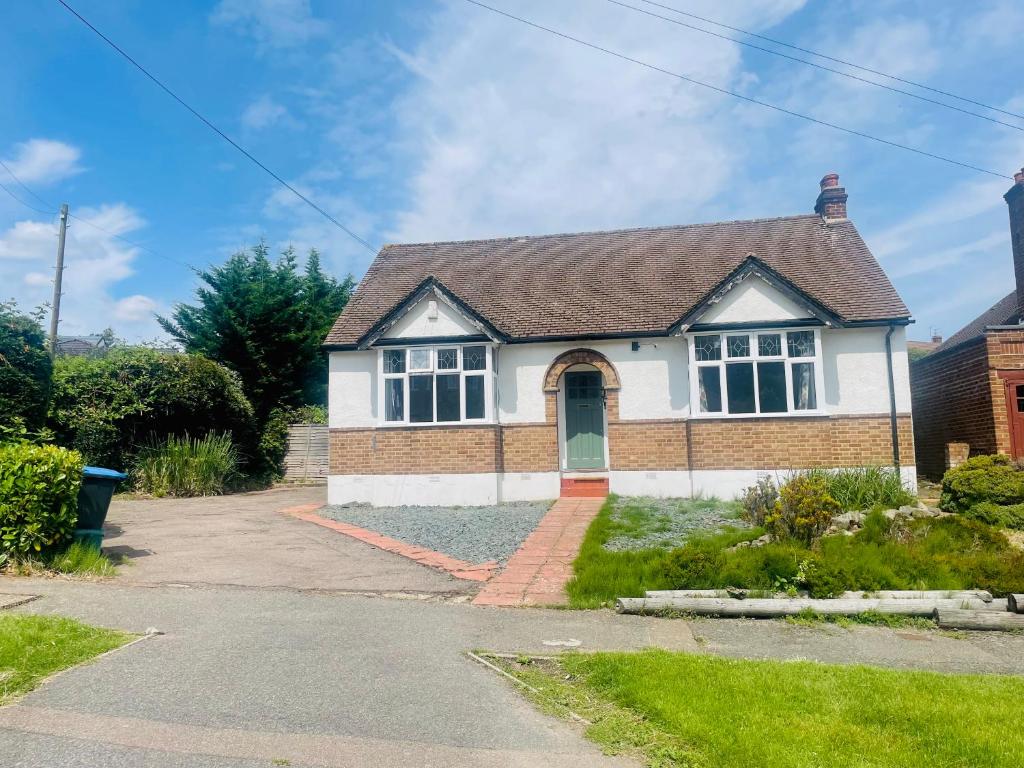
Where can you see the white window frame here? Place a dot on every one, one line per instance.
(487, 372)
(755, 357)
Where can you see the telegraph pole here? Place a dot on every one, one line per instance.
(55, 316)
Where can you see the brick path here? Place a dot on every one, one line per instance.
(537, 573)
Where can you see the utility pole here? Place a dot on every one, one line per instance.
(55, 316)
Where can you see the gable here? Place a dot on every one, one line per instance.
(754, 300)
(431, 316)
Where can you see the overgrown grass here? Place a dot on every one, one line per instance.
(865, 487)
(940, 553)
(811, 618)
(34, 647)
(676, 709)
(186, 466)
(77, 560)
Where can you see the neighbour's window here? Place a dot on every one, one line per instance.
(435, 385)
(758, 372)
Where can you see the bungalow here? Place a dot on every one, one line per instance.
(667, 361)
(969, 392)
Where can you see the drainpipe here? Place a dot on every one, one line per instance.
(892, 399)
(499, 435)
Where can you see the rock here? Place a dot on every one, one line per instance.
(762, 540)
(891, 514)
(848, 520)
(908, 510)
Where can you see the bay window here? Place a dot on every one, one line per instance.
(752, 373)
(445, 384)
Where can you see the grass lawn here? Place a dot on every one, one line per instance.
(676, 709)
(935, 553)
(34, 647)
(77, 560)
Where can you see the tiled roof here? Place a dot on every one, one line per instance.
(625, 281)
(1003, 312)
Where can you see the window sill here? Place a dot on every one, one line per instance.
(434, 424)
(790, 415)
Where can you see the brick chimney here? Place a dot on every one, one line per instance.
(1015, 201)
(831, 203)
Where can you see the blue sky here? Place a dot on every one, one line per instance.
(418, 121)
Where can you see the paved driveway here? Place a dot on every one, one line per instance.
(243, 540)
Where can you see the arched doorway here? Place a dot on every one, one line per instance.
(582, 391)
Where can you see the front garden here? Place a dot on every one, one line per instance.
(819, 533)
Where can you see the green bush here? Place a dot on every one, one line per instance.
(803, 510)
(108, 407)
(25, 370)
(993, 479)
(759, 501)
(864, 487)
(1008, 516)
(185, 466)
(38, 497)
(698, 564)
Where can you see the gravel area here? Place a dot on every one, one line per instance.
(473, 534)
(641, 522)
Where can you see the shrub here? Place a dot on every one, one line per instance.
(38, 496)
(1008, 516)
(185, 466)
(994, 479)
(694, 566)
(107, 407)
(759, 501)
(803, 510)
(865, 487)
(25, 369)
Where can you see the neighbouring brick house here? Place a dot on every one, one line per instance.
(969, 393)
(669, 361)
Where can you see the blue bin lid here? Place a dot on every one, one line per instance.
(102, 472)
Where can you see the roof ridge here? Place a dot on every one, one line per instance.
(624, 230)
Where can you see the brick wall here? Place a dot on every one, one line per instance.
(530, 447)
(647, 444)
(952, 394)
(1005, 353)
(414, 450)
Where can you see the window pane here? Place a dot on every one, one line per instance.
(771, 386)
(421, 398)
(474, 358)
(394, 399)
(738, 346)
(448, 397)
(707, 347)
(394, 361)
(474, 397)
(709, 378)
(804, 396)
(419, 359)
(447, 359)
(769, 344)
(739, 384)
(801, 343)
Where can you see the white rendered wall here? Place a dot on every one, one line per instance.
(753, 300)
(529, 486)
(468, 490)
(352, 389)
(662, 483)
(417, 323)
(856, 378)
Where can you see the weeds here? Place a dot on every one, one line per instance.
(185, 466)
(864, 487)
(77, 560)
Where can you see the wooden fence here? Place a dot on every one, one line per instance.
(306, 459)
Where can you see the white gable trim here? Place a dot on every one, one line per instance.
(750, 299)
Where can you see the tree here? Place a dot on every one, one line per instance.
(265, 321)
(25, 369)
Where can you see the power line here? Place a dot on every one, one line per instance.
(726, 91)
(816, 65)
(219, 132)
(27, 205)
(21, 184)
(836, 60)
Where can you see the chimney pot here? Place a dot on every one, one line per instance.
(1018, 177)
(831, 202)
(936, 338)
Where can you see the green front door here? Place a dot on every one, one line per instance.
(584, 420)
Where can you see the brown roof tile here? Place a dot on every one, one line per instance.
(1003, 312)
(624, 281)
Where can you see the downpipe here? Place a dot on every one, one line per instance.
(893, 424)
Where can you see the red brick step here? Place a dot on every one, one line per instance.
(584, 487)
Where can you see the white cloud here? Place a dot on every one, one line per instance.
(95, 263)
(272, 23)
(43, 161)
(263, 113)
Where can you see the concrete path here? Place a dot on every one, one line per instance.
(539, 570)
(244, 540)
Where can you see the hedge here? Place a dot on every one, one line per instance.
(993, 479)
(38, 497)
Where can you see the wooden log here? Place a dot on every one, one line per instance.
(953, 618)
(689, 593)
(922, 594)
(1015, 603)
(770, 608)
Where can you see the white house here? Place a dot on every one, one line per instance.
(671, 361)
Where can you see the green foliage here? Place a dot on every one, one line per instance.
(308, 414)
(803, 510)
(38, 497)
(695, 564)
(107, 407)
(759, 501)
(25, 369)
(1008, 516)
(185, 466)
(864, 487)
(994, 479)
(79, 559)
(266, 321)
